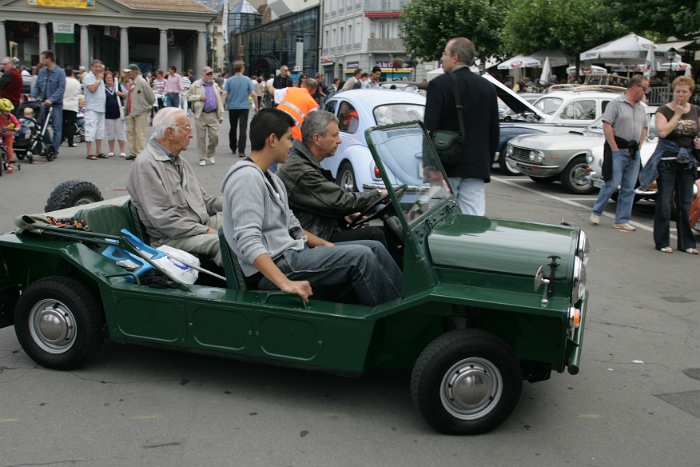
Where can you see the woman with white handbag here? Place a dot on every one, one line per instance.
(114, 114)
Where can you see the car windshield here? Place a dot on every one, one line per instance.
(548, 105)
(597, 126)
(397, 113)
(419, 180)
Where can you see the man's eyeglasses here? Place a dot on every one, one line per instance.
(186, 128)
(210, 73)
(645, 89)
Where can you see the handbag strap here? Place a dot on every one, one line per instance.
(458, 103)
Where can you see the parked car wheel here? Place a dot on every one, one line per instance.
(506, 167)
(544, 180)
(346, 177)
(575, 177)
(465, 382)
(72, 193)
(58, 322)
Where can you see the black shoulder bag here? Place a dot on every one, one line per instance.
(448, 144)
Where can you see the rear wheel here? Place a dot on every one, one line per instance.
(72, 193)
(466, 382)
(544, 180)
(50, 152)
(346, 177)
(58, 322)
(575, 177)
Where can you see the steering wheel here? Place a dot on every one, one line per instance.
(376, 209)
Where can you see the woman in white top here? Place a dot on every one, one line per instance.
(70, 106)
(114, 125)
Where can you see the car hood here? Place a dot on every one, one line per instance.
(511, 99)
(501, 246)
(570, 141)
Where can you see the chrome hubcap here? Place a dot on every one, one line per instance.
(471, 388)
(52, 326)
(84, 200)
(347, 182)
(579, 177)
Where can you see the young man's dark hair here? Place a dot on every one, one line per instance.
(48, 54)
(173, 68)
(376, 69)
(365, 75)
(68, 70)
(357, 73)
(267, 122)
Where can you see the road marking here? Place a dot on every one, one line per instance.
(570, 203)
(145, 417)
(5, 420)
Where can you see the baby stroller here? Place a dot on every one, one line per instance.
(34, 146)
(79, 133)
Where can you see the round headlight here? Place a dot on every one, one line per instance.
(509, 150)
(533, 154)
(583, 248)
(539, 156)
(589, 158)
(579, 282)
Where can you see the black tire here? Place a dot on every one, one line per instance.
(505, 167)
(544, 180)
(72, 193)
(50, 152)
(346, 177)
(575, 177)
(58, 322)
(466, 358)
(20, 155)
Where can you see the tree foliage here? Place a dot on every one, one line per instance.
(665, 17)
(427, 25)
(573, 26)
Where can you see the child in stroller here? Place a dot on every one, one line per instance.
(27, 125)
(8, 123)
(34, 145)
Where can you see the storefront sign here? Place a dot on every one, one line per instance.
(81, 4)
(390, 64)
(352, 65)
(111, 31)
(63, 33)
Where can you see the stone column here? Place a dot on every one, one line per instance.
(84, 46)
(124, 48)
(43, 38)
(163, 52)
(201, 57)
(3, 41)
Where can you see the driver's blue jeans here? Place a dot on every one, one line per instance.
(365, 263)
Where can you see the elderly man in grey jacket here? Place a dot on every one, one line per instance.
(138, 104)
(170, 201)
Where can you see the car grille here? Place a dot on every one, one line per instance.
(521, 154)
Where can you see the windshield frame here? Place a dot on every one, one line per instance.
(394, 104)
(436, 212)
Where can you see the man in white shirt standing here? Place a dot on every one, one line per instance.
(95, 101)
(70, 106)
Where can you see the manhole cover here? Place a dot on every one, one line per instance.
(686, 401)
(677, 299)
(692, 372)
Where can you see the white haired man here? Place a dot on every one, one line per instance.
(168, 198)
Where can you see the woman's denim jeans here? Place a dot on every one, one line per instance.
(365, 263)
(674, 176)
(625, 172)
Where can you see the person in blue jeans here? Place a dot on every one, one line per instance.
(624, 127)
(273, 250)
(49, 88)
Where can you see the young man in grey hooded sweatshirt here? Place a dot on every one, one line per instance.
(273, 250)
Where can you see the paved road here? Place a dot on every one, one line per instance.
(139, 406)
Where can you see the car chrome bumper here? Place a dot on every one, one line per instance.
(596, 179)
(575, 342)
(536, 168)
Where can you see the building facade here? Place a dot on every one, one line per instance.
(364, 34)
(154, 34)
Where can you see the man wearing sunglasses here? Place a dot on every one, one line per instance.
(208, 106)
(624, 127)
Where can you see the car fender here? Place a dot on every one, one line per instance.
(362, 164)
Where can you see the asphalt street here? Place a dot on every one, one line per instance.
(636, 401)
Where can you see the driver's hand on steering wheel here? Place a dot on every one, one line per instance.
(301, 288)
(383, 192)
(351, 217)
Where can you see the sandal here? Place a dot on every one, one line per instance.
(102, 156)
(92, 157)
(666, 249)
(122, 155)
(111, 154)
(692, 251)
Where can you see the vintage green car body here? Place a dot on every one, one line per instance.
(463, 276)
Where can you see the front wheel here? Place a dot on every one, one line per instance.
(346, 178)
(544, 180)
(58, 322)
(575, 177)
(466, 382)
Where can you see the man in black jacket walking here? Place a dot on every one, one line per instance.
(481, 127)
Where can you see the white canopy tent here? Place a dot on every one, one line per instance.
(586, 70)
(536, 60)
(628, 50)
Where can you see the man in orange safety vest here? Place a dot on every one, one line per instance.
(297, 102)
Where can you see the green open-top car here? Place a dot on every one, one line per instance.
(486, 303)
